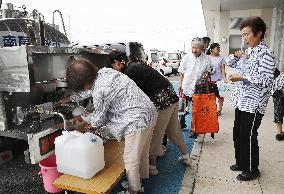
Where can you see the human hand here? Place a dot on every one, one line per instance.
(86, 128)
(235, 77)
(239, 53)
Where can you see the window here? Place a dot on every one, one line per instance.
(173, 56)
(3, 27)
(235, 42)
(14, 26)
(154, 57)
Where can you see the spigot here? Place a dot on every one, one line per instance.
(42, 111)
(19, 116)
(65, 127)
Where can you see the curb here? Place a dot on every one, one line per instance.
(188, 182)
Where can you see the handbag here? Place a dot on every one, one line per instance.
(204, 113)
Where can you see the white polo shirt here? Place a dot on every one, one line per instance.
(193, 69)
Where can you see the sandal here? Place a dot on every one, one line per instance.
(219, 113)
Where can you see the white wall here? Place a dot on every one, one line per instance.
(217, 24)
(224, 32)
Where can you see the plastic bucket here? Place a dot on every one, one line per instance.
(49, 173)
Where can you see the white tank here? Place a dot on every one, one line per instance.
(79, 154)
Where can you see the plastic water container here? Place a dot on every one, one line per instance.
(79, 154)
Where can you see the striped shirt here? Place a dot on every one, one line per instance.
(257, 68)
(119, 103)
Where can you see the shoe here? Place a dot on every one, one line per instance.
(124, 184)
(162, 151)
(182, 120)
(153, 171)
(192, 134)
(248, 176)
(219, 113)
(280, 137)
(235, 167)
(185, 159)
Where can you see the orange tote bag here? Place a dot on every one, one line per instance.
(204, 114)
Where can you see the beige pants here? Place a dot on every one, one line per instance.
(167, 122)
(136, 157)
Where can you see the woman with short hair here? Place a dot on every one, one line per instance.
(124, 108)
(253, 83)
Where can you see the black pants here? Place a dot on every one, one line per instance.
(245, 140)
(182, 121)
(165, 140)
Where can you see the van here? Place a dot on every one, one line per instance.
(174, 59)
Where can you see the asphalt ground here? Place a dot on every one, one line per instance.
(18, 177)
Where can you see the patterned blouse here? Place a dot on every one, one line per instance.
(119, 103)
(278, 83)
(165, 98)
(257, 69)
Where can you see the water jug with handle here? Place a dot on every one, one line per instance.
(79, 154)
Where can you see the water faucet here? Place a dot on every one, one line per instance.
(65, 127)
(42, 111)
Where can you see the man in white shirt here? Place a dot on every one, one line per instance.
(194, 67)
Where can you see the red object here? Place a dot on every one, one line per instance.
(49, 173)
(181, 94)
(204, 114)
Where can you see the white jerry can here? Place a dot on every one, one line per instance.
(79, 154)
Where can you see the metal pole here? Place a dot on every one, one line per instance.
(69, 28)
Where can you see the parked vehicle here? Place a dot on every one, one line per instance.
(164, 67)
(158, 63)
(152, 58)
(174, 59)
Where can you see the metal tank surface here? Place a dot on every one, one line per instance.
(33, 60)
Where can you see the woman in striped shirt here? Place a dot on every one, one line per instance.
(255, 67)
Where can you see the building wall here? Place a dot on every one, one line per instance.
(217, 24)
(224, 32)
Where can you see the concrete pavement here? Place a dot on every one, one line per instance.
(210, 173)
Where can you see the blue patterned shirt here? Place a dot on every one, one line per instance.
(119, 103)
(257, 68)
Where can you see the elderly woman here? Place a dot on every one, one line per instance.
(162, 94)
(127, 111)
(194, 67)
(256, 67)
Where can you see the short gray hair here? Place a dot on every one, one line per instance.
(197, 41)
